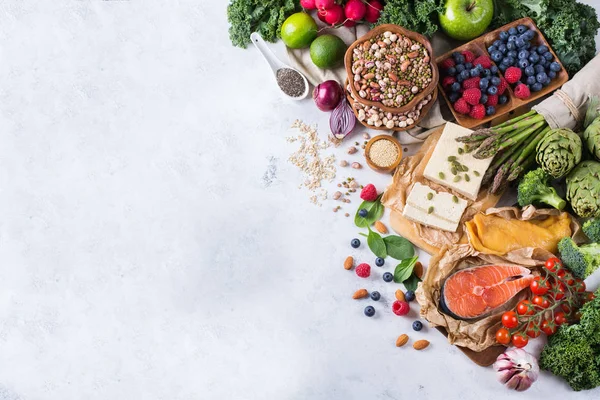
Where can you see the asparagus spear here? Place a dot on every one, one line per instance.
(516, 119)
(525, 165)
(499, 161)
(529, 150)
(486, 152)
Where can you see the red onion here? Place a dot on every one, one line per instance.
(327, 95)
(342, 120)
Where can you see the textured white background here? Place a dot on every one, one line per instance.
(153, 242)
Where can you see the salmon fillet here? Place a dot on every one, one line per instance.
(475, 292)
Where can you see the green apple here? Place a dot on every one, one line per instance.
(466, 19)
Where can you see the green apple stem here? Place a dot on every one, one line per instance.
(471, 5)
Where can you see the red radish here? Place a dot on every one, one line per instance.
(321, 15)
(349, 23)
(334, 15)
(324, 4)
(374, 8)
(355, 10)
(308, 4)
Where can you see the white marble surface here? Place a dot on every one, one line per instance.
(153, 242)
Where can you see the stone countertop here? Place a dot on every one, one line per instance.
(154, 241)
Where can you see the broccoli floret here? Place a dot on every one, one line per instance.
(535, 188)
(591, 228)
(573, 352)
(581, 260)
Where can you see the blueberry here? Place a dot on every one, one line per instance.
(465, 74)
(494, 70)
(534, 58)
(539, 69)
(458, 58)
(355, 243)
(388, 277)
(451, 71)
(483, 99)
(511, 45)
(495, 81)
(546, 82)
(491, 49)
(453, 97)
(529, 34)
(455, 53)
(483, 83)
(369, 311)
(417, 325)
(520, 43)
(542, 49)
(492, 90)
(503, 67)
(497, 43)
(502, 48)
(468, 65)
(486, 72)
(523, 63)
(530, 80)
(496, 56)
(409, 295)
(512, 53)
(503, 35)
(480, 67)
(541, 77)
(375, 296)
(490, 110)
(379, 261)
(523, 54)
(521, 28)
(460, 68)
(536, 87)
(474, 72)
(551, 74)
(554, 66)
(512, 31)
(548, 56)
(511, 39)
(459, 78)
(502, 99)
(363, 212)
(529, 71)
(508, 61)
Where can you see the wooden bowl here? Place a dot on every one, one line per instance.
(376, 167)
(403, 32)
(479, 47)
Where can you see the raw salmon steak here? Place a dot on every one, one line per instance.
(475, 292)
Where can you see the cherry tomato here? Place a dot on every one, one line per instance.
(539, 286)
(566, 308)
(533, 330)
(559, 318)
(569, 279)
(503, 336)
(548, 327)
(561, 273)
(580, 286)
(519, 340)
(510, 319)
(552, 264)
(558, 291)
(589, 296)
(525, 308)
(541, 301)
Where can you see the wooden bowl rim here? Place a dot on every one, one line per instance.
(405, 32)
(376, 167)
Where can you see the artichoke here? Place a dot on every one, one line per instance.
(591, 137)
(583, 189)
(559, 152)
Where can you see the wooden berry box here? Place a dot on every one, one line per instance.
(479, 47)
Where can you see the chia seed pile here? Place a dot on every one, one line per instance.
(290, 82)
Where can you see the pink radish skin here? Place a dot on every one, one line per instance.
(308, 4)
(334, 15)
(349, 23)
(355, 10)
(373, 11)
(324, 4)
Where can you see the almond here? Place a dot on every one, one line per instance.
(418, 270)
(400, 295)
(381, 228)
(360, 294)
(402, 340)
(349, 262)
(420, 344)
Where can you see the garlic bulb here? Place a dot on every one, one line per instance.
(517, 369)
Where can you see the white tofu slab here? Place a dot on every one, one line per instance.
(446, 213)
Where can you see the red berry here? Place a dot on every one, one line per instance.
(469, 56)
(472, 96)
(369, 193)
(492, 100)
(477, 111)
(484, 61)
(363, 270)
(471, 83)
(521, 91)
(461, 106)
(400, 307)
(447, 63)
(448, 80)
(512, 74)
(502, 86)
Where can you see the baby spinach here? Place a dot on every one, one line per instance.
(412, 282)
(404, 270)
(374, 213)
(398, 247)
(376, 244)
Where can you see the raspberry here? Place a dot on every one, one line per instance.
(522, 91)
(369, 193)
(502, 86)
(512, 74)
(492, 100)
(447, 63)
(469, 56)
(484, 61)
(400, 307)
(471, 83)
(461, 106)
(477, 111)
(363, 270)
(448, 80)
(472, 96)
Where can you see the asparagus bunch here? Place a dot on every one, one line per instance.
(512, 144)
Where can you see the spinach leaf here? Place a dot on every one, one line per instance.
(404, 270)
(398, 247)
(376, 244)
(374, 213)
(412, 282)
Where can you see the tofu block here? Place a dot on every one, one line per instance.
(446, 212)
(447, 146)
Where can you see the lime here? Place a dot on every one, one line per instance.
(298, 30)
(327, 51)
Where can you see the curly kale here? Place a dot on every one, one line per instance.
(262, 16)
(573, 352)
(418, 16)
(581, 260)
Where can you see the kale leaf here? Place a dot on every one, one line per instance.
(419, 16)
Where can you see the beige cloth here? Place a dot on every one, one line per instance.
(578, 89)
